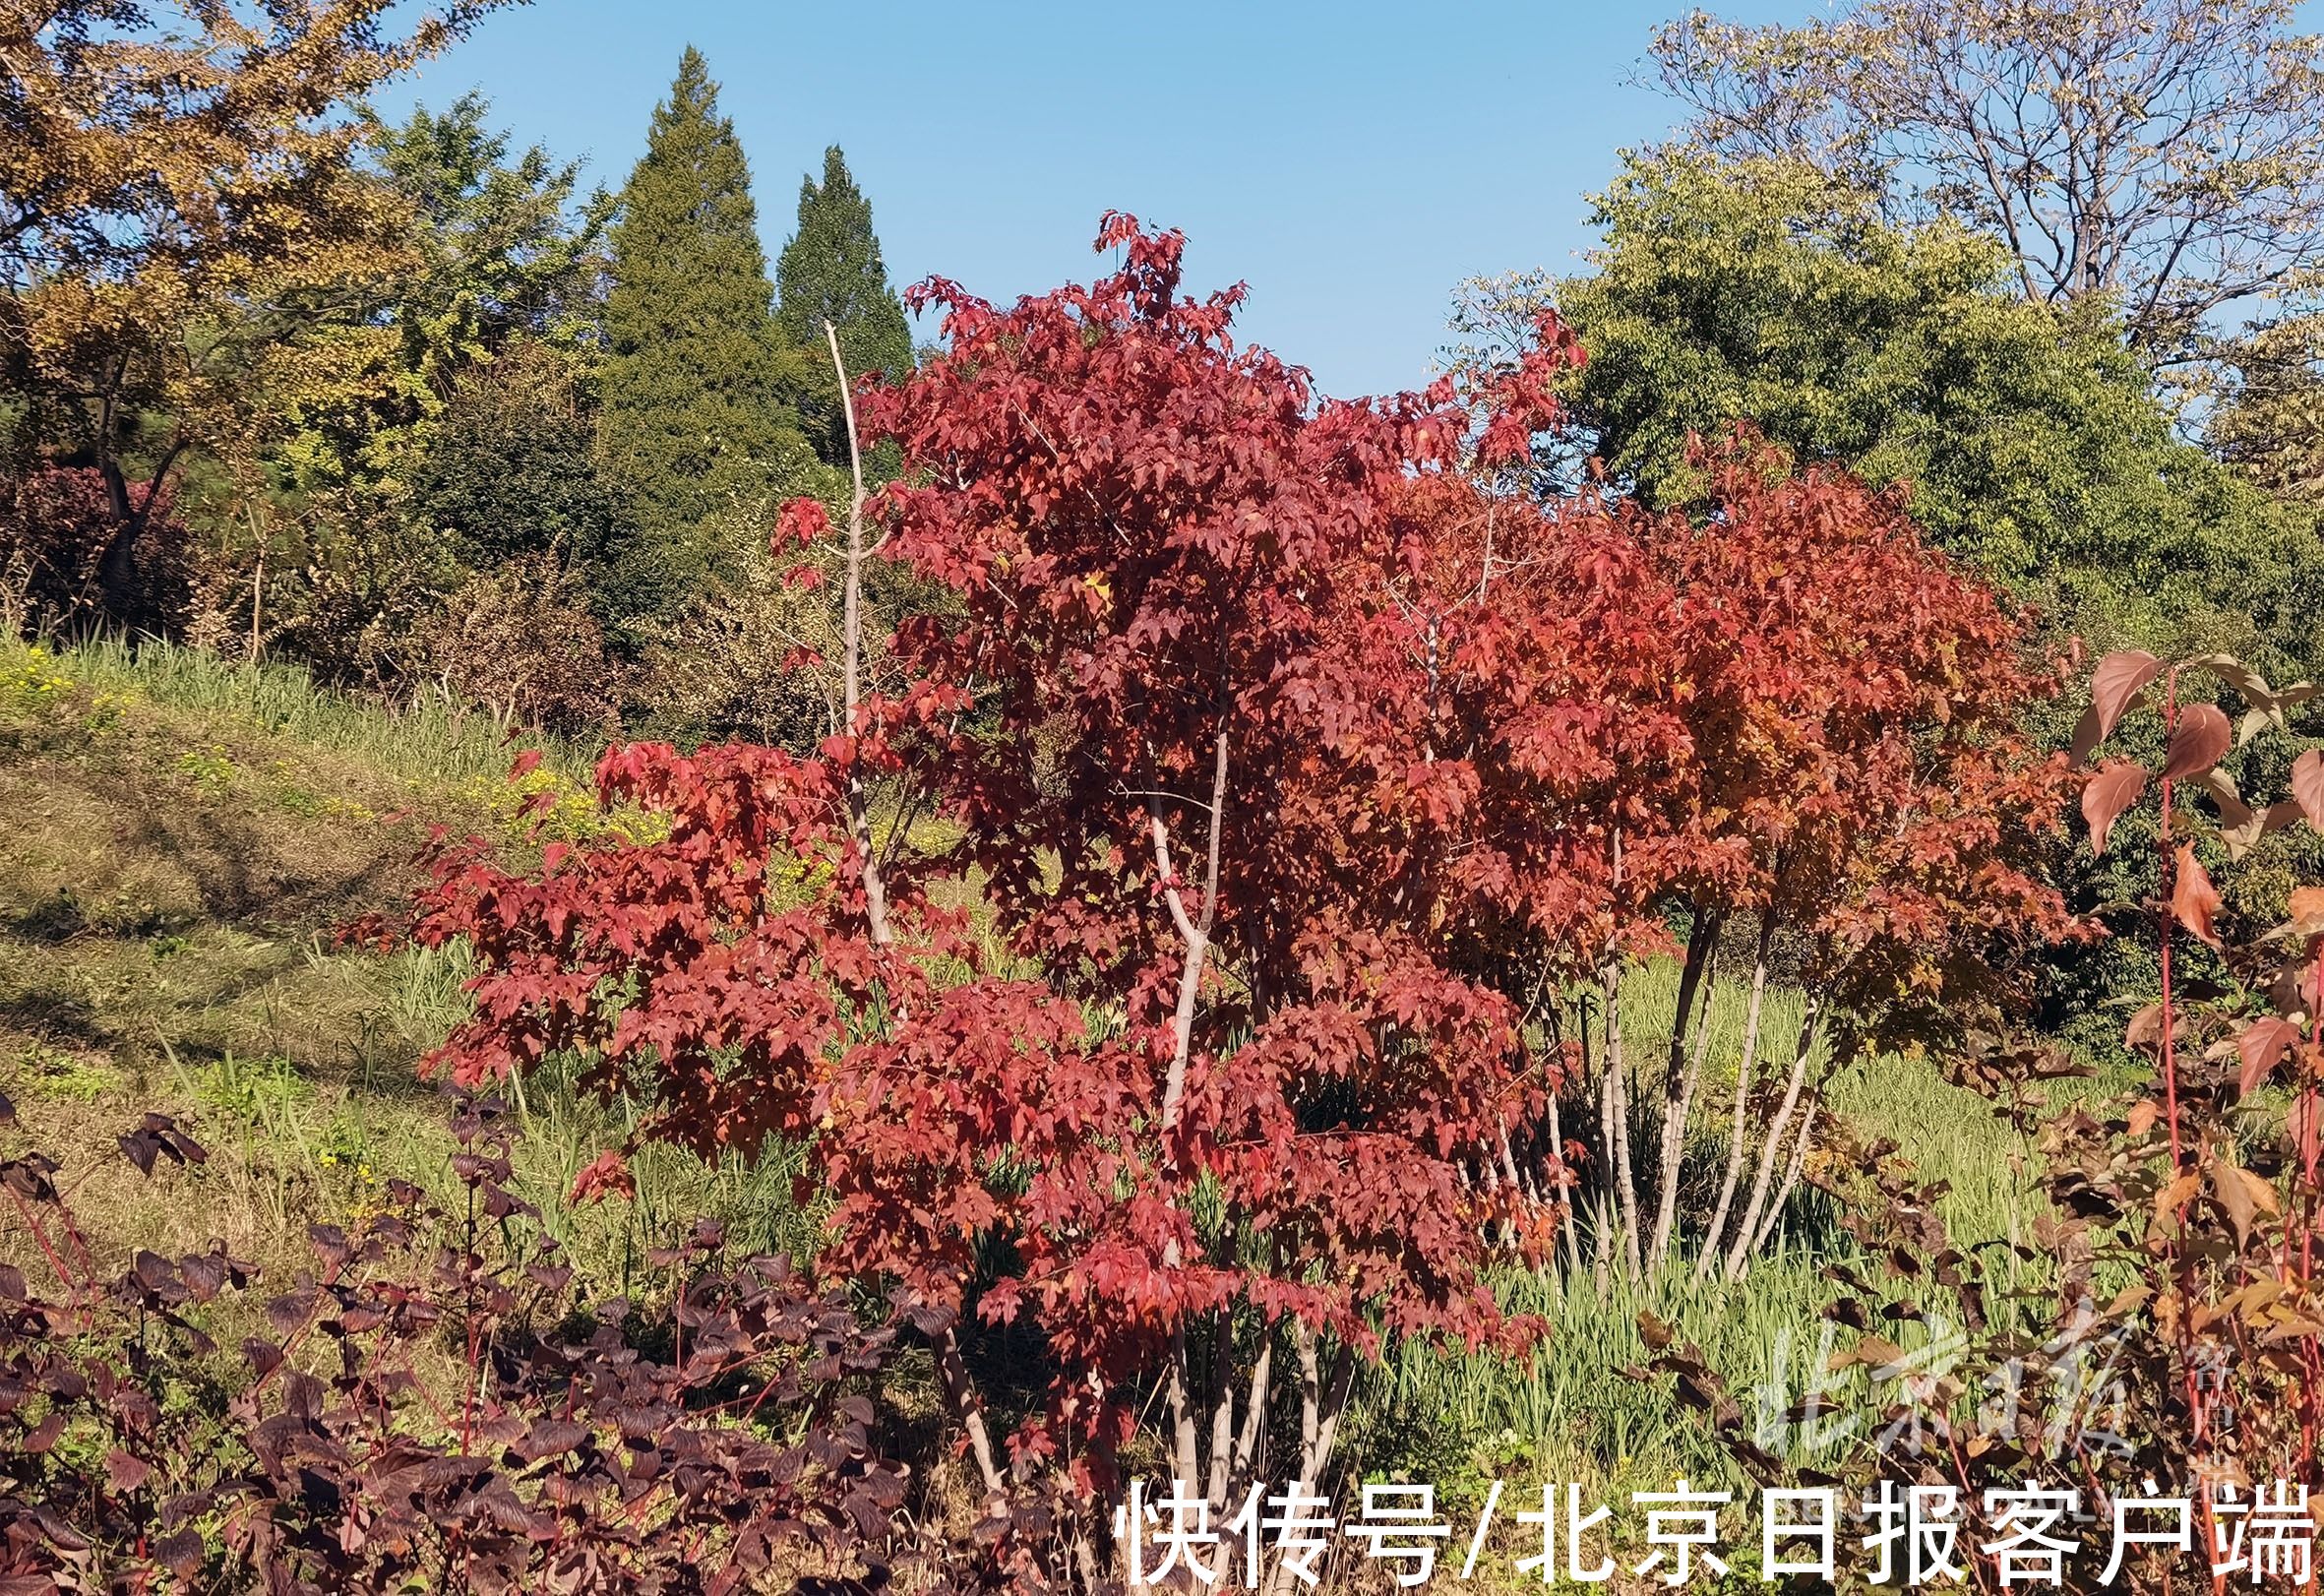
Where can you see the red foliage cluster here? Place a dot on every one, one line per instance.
(1265, 745)
(56, 523)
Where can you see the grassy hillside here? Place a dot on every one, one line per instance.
(187, 838)
(186, 841)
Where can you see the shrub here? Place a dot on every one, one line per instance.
(520, 639)
(434, 1403)
(55, 525)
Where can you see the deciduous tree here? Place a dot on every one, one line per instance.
(181, 193)
(2167, 154)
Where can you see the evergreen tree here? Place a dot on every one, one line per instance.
(693, 415)
(831, 271)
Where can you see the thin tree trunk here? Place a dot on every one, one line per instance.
(258, 588)
(1565, 1191)
(1222, 1404)
(1195, 932)
(859, 821)
(1321, 1402)
(1791, 1180)
(1716, 1231)
(1247, 1443)
(1625, 1186)
(1185, 1441)
(967, 1408)
(1747, 1230)
(1690, 1032)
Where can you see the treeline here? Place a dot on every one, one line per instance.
(412, 405)
(423, 411)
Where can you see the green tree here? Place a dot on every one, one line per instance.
(691, 417)
(832, 271)
(2271, 422)
(1768, 292)
(509, 248)
(2164, 155)
(512, 473)
(497, 252)
(182, 201)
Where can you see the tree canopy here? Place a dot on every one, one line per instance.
(693, 412)
(832, 271)
(1770, 293)
(182, 194)
(2166, 154)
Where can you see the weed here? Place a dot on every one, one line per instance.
(30, 679)
(65, 1077)
(214, 771)
(256, 1092)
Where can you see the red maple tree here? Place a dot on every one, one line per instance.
(1155, 971)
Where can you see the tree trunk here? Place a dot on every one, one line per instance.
(1566, 1193)
(1625, 1185)
(116, 566)
(967, 1409)
(1791, 1180)
(1691, 1030)
(1747, 1230)
(1715, 1232)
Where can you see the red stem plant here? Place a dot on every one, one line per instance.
(2174, 1344)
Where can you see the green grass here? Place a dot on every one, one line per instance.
(187, 839)
(1567, 1411)
(429, 740)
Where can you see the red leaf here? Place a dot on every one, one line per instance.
(2116, 683)
(2193, 899)
(2113, 789)
(2262, 1043)
(2307, 786)
(125, 1473)
(525, 763)
(802, 521)
(607, 1176)
(2199, 741)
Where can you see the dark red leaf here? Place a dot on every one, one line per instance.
(2199, 739)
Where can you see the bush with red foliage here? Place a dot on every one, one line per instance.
(56, 523)
(1270, 741)
(1200, 1099)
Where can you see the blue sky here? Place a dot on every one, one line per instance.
(1351, 161)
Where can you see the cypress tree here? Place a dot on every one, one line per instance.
(693, 413)
(831, 271)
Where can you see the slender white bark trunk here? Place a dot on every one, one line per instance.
(1790, 1181)
(1626, 1184)
(1715, 1233)
(967, 1409)
(1747, 1232)
(1691, 1033)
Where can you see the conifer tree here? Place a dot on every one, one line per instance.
(693, 413)
(831, 271)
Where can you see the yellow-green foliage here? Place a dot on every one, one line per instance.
(29, 678)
